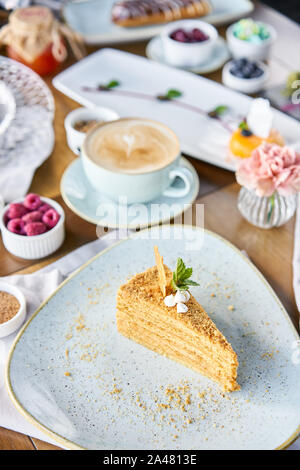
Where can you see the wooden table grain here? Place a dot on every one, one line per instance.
(270, 250)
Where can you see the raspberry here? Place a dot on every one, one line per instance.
(50, 218)
(35, 228)
(35, 216)
(45, 207)
(32, 201)
(16, 226)
(16, 211)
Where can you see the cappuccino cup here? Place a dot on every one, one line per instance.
(134, 158)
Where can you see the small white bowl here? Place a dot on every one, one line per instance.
(245, 85)
(240, 48)
(75, 138)
(15, 322)
(38, 246)
(188, 54)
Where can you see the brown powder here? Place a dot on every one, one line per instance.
(86, 126)
(9, 306)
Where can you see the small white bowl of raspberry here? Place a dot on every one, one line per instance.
(188, 43)
(32, 227)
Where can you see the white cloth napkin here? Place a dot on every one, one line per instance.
(36, 287)
(26, 144)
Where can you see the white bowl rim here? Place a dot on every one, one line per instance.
(94, 111)
(28, 239)
(207, 27)
(253, 80)
(269, 40)
(18, 294)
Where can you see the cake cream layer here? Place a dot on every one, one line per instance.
(178, 339)
(202, 363)
(191, 338)
(175, 330)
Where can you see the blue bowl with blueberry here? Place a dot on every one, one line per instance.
(245, 75)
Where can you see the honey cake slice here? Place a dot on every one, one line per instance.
(190, 338)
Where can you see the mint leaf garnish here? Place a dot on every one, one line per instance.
(170, 95)
(109, 86)
(113, 84)
(244, 126)
(218, 111)
(181, 275)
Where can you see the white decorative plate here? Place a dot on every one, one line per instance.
(29, 138)
(142, 80)
(92, 19)
(75, 377)
(7, 108)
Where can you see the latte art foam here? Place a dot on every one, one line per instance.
(132, 146)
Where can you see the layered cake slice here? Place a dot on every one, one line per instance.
(155, 309)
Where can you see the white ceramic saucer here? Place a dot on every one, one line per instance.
(154, 51)
(98, 209)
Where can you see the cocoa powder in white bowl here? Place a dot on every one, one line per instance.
(12, 309)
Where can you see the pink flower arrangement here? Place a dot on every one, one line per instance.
(271, 169)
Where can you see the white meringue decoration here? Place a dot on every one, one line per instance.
(260, 118)
(170, 301)
(182, 296)
(187, 295)
(182, 308)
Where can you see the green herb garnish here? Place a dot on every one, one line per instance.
(218, 111)
(170, 95)
(244, 126)
(181, 277)
(108, 86)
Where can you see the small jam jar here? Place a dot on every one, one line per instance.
(33, 38)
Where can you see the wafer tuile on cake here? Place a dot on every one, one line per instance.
(156, 310)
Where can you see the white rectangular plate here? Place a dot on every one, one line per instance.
(114, 395)
(92, 19)
(200, 137)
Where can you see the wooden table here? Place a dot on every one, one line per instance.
(271, 251)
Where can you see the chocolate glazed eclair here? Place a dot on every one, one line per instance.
(132, 13)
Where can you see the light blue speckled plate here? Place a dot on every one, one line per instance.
(86, 386)
(90, 204)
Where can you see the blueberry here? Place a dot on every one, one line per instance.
(248, 69)
(234, 69)
(237, 73)
(246, 132)
(257, 73)
(244, 68)
(241, 62)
